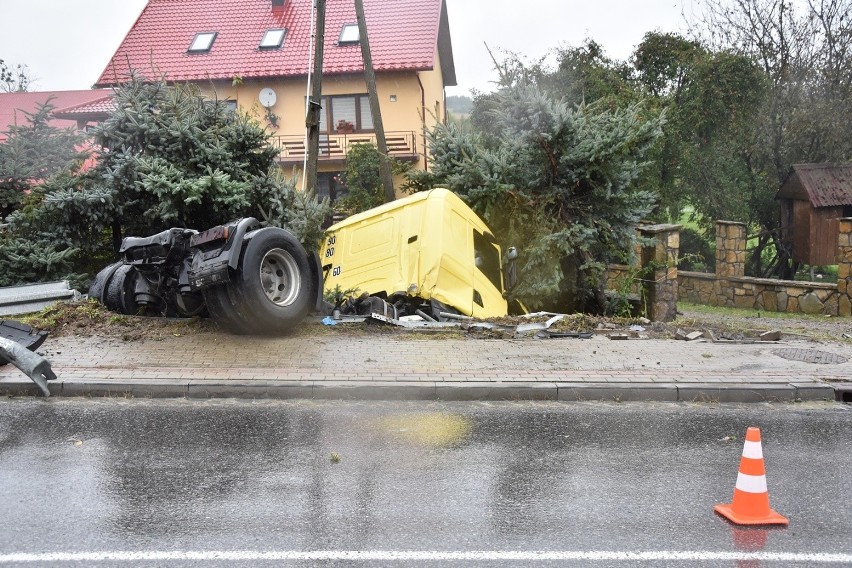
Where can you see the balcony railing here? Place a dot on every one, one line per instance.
(401, 145)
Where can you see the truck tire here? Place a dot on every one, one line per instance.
(222, 311)
(101, 280)
(271, 291)
(119, 294)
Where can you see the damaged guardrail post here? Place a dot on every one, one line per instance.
(32, 364)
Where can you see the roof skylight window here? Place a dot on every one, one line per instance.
(349, 34)
(203, 42)
(273, 39)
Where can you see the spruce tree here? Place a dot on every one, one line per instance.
(555, 180)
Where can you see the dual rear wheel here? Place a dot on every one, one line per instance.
(270, 292)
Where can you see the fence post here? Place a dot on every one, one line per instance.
(659, 269)
(844, 267)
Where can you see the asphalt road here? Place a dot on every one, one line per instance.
(240, 483)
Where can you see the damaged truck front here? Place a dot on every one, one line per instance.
(427, 254)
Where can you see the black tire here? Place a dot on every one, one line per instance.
(101, 280)
(119, 295)
(222, 311)
(271, 291)
(189, 305)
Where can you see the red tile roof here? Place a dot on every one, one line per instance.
(404, 35)
(98, 109)
(13, 106)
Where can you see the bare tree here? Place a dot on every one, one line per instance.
(14, 79)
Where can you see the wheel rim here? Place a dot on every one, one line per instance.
(280, 277)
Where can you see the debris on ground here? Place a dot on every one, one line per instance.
(22, 334)
(18, 342)
(90, 318)
(690, 336)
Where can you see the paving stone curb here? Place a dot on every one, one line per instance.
(367, 367)
(426, 391)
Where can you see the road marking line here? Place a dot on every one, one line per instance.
(406, 555)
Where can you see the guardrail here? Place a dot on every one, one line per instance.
(33, 297)
(291, 148)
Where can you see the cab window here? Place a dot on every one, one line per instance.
(487, 257)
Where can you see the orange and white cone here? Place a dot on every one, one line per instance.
(751, 498)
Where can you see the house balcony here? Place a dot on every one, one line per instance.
(333, 148)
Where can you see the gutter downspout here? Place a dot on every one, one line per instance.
(423, 122)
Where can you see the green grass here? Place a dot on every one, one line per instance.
(686, 220)
(745, 313)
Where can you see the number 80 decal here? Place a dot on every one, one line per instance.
(329, 252)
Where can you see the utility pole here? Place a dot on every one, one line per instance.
(312, 119)
(370, 76)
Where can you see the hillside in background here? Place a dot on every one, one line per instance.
(459, 105)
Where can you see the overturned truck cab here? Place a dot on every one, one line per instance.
(427, 254)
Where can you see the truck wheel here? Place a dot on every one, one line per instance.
(119, 295)
(100, 281)
(222, 311)
(271, 292)
(190, 304)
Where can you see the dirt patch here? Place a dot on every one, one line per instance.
(90, 318)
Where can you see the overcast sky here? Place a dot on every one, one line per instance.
(67, 43)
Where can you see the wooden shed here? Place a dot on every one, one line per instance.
(812, 199)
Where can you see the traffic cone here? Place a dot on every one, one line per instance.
(751, 499)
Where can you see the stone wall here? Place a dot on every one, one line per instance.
(844, 267)
(759, 293)
(730, 288)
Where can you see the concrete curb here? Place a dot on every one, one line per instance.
(426, 390)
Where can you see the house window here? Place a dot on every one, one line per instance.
(366, 114)
(273, 39)
(330, 186)
(348, 109)
(349, 34)
(203, 42)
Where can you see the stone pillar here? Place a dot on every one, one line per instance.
(844, 267)
(730, 249)
(730, 260)
(659, 271)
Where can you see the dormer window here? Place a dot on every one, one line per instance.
(202, 43)
(349, 34)
(273, 39)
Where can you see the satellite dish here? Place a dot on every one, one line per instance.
(267, 97)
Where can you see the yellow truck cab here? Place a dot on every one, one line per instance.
(429, 249)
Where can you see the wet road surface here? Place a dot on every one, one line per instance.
(334, 483)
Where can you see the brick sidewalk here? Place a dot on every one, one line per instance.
(415, 367)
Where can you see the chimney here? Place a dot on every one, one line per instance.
(278, 3)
